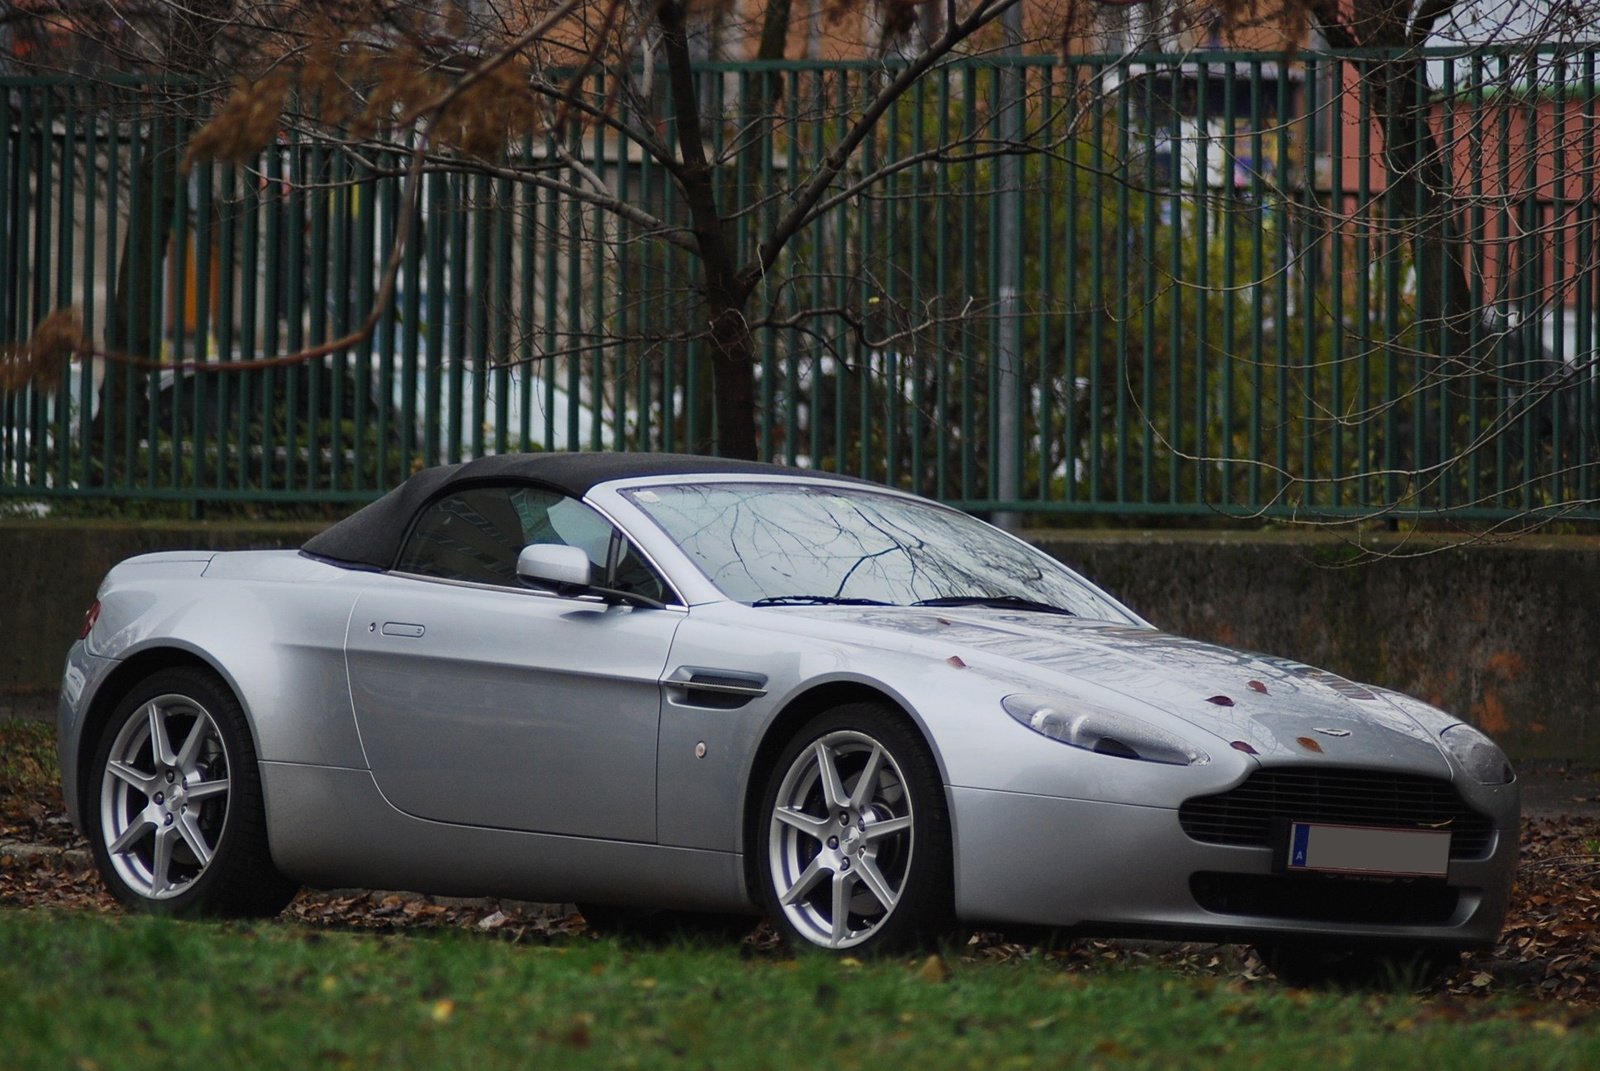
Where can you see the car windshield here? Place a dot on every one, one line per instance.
(797, 544)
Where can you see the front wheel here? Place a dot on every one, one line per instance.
(856, 852)
(178, 826)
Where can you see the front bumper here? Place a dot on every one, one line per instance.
(1108, 867)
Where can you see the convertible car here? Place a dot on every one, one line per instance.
(681, 683)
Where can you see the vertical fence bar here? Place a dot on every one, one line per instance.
(457, 319)
(1228, 196)
(1339, 233)
(1478, 234)
(477, 383)
(1045, 205)
(599, 286)
(501, 315)
(413, 439)
(1531, 257)
(393, 437)
(1280, 200)
(436, 225)
(261, 218)
(1584, 351)
(1364, 317)
(60, 438)
(1120, 388)
(890, 371)
(343, 206)
(35, 457)
(941, 273)
(11, 184)
(1446, 470)
(1097, 280)
(1503, 309)
(527, 283)
(1147, 297)
(1203, 231)
(1258, 282)
(209, 466)
(85, 401)
(889, 299)
(319, 205)
(299, 177)
(1311, 245)
(1175, 285)
(368, 426)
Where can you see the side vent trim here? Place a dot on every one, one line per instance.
(716, 689)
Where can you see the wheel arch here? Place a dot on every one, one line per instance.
(800, 709)
(120, 681)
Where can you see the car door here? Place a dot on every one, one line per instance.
(483, 702)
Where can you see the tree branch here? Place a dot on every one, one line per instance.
(806, 200)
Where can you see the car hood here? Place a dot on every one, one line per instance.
(1274, 708)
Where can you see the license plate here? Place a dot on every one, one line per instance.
(1369, 850)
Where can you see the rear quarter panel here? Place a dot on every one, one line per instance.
(270, 623)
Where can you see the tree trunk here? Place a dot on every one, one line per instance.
(135, 319)
(1420, 196)
(732, 348)
(1421, 201)
(733, 353)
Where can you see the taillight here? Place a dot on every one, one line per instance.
(89, 618)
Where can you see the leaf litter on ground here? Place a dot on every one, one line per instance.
(1549, 951)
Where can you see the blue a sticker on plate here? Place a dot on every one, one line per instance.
(1369, 850)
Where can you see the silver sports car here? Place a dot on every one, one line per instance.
(681, 683)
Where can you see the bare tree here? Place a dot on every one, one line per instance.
(767, 173)
(505, 69)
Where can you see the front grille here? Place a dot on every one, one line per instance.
(1246, 815)
(1326, 898)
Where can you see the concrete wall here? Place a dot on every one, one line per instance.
(1506, 635)
(51, 570)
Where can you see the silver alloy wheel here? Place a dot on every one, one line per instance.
(840, 841)
(163, 808)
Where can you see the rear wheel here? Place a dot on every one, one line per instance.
(857, 836)
(177, 824)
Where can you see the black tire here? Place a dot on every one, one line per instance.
(883, 851)
(1320, 964)
(182, 830)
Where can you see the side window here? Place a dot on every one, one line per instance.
(474, 534)
(477, 534)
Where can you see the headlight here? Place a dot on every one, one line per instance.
(1101, 731)
(1477, 754)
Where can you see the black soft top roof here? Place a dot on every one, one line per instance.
(370, 538)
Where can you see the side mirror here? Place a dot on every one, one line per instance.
(554, 565)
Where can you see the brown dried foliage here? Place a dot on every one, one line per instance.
(1548, 956)
(365, 92)
(41, 361)
(246, 123)
(480, 119)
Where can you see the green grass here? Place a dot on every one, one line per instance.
(87, 993)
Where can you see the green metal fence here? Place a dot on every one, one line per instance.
(1324, 285)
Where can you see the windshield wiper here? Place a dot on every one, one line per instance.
(997, 602)
(816, 600)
